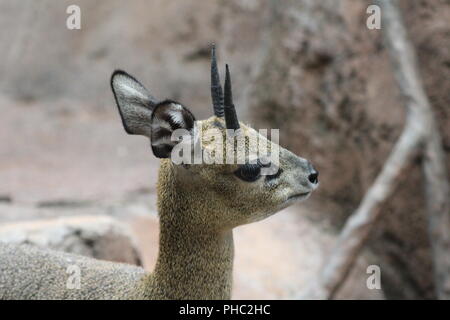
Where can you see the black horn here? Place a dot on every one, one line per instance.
(231, 119)
(216, 88)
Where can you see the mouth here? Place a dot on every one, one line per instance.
(299, 196)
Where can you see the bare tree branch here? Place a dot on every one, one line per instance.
(420, 130)
(435, 171)
(358, 227)
(437, 194)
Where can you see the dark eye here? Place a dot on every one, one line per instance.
(248, 172)
(275, 175)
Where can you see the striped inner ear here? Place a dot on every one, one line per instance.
(167, 117)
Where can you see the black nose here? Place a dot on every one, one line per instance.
(314, 177)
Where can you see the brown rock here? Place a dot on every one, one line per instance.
(100, 237)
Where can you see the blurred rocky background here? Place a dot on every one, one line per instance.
(309, 67)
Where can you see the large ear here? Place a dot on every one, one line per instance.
(135, 103)
(167, 117)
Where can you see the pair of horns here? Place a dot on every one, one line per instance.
(223, 105)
